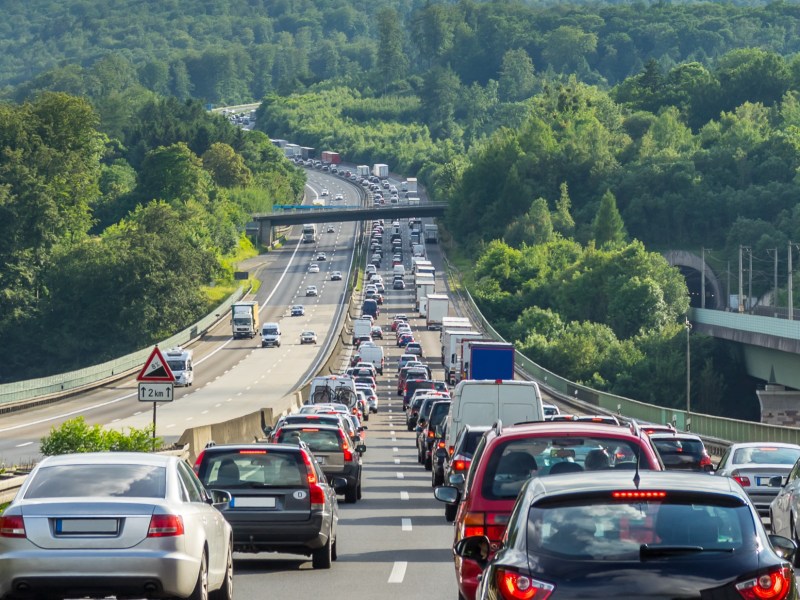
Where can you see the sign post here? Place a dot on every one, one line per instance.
(156, 383)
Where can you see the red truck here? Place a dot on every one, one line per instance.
(331, 157)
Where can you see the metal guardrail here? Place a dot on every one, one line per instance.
(55, 386)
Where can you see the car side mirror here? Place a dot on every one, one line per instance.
(474, 547)
(457, 479)
(361, 448)
(446, 493)
(220, 499)
(776, 481)
(339, 484)
(784, 547)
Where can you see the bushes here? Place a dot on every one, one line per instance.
(76, 435)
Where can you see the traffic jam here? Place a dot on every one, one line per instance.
(543, 503)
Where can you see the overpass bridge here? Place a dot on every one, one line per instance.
(325, 214)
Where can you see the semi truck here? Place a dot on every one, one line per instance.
(438, 307)
(292, 150)
(380, 170)
(487, 360)
(244, 319)
(362, 170)
(331, 157)
(452, 358)
(431, 234)
(309, 233)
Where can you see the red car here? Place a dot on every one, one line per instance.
(507, 457)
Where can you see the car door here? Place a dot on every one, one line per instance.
(787, 503)
(206, 518)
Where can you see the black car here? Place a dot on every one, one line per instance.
(682, 451)
(399, 284)
(413, 412)
(658, 535)
(458, 461)
(436, 418)
(281, 501)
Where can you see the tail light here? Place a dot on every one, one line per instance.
(431, 434)
(198, 462)
(12, 527)
(315, 491)
(440, 445)
(775, 584)
(517, 586)
(450, 450)
(165, 526)
(743, 480)
(705, 462)
(492, 525)
(348, 454)
(461, 464)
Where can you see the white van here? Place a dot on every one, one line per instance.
(484, 402)
(181, 365)
(361, 328)
(399, 270)
(372, 354)
(270, 335)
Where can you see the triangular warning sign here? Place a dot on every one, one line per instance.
(156, 368)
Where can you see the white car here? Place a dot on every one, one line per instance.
(339, 197)
(336, 275)
(308, 337)
(312, 291)
(324, 192)
(313, 268)
(321, 256)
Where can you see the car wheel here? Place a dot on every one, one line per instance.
(201, 587)
(428, 462)
(351, 494)
(334, 552)
(437, 478)
(226, 591)
(411, 428)
(450, 511)
(358, 493)
(322, 557)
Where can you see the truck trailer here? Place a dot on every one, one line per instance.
(362, 170)
(487, 360)
(380, 170)
(438, 308)
(431, 233)
(330, 157)
(244, 319)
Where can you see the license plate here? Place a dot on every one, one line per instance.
(255, 502)
(78, 526)
(765, 480)
(321, 460)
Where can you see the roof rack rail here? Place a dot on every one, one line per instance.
(498, 426)
(634, 427)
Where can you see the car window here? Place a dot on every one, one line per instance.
(191, 487)
(677, 446)
(318, 440)
(612, 530)
(512, 462)
(469, 442)
(766, 455)
(106, 480)
(438, 413)
(252, 468)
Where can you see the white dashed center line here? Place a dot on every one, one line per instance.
(398, 572)
(405, 524)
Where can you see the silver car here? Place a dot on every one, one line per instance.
(115, 524)
(754, 464)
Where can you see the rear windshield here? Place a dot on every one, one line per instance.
(515, 461)
(692, 448)
(103, 481)
(318, 440)
(766, 455)
(418, 384)
(469, 443)
(439, 413)
(252, 468)
(609, 531)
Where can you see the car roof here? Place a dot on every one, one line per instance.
(91, 458)
(678, 435)
(324, 426)
(569, 427)
(675, 481)
(762, 444)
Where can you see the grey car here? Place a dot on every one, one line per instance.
(115, 524)
(281, 500)
(754, 464)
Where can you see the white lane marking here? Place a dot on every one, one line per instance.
(401, 476)
(404, 495)
(397, 461)
(218, 404)
(24, 444)
(395, 449)
(115, 420)
(204, 412)
(405, 524)
(170, 425)
(398, 572)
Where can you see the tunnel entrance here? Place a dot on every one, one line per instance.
(695, 285)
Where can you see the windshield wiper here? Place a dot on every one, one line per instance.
(646, 550)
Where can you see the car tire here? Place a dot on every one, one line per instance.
(437, 478)
(428, 462)
(226, 591)
(450, 511)
(351, 494)
(322, 558)
(200, 591)
(411, 428)
(334, 550)
(358, 493)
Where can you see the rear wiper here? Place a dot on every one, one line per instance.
(646, 550)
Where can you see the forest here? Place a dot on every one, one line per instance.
(573, 142)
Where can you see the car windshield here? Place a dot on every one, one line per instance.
(251, 468)
(679, 446)
(98, 481)
(600, 529)
(318, 440)
(515, 461)
(766, 455)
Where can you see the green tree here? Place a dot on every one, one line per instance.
(174, 173)
(608, 227)
(517, 78)
(562, 219)
(393, 60)
(226, 167)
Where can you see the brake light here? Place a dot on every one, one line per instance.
(12, 527)
(315, 491)
(474, 524)
(743, 480)
(165, 526)
(773, 585)
(348, 454)
(492, 525)
(705, 461)
(460, 465)
(450, 450)
(252, 451)
(431, 434)
(516, 586)
(198, 462)
(638, 495)
(440, 445)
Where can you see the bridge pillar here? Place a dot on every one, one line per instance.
(265, 232)
(779, 406)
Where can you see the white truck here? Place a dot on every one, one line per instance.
(452, 353)
(431, 233)
(180, 363)
(362, 170)
(418, 250)
(485, 402)
(438, 308)
(425, 286)
(244, 319)
(410, 186)
(309, 233)
(361, 327)
(380, 170)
